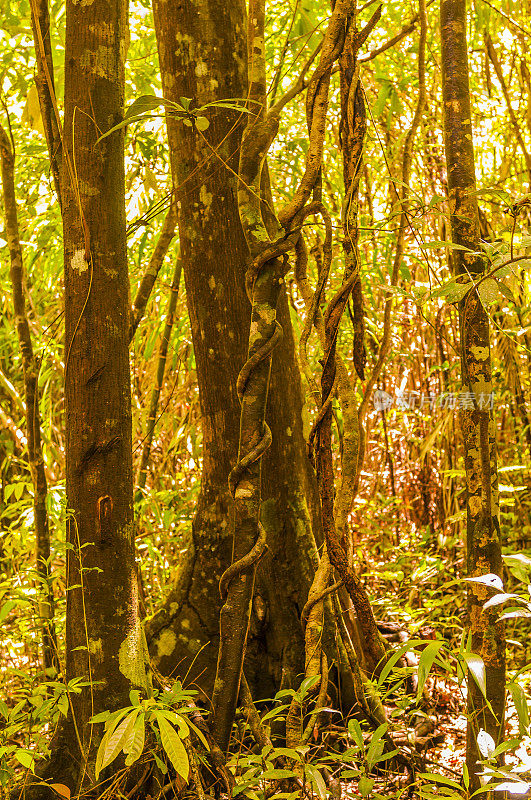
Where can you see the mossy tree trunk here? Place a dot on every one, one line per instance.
(202, 54)
(483, 529)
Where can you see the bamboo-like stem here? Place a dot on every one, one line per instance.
(31, 392)
(491, 51)
(44, 79)
(159, 378)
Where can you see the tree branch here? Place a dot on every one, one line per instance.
(150, 275)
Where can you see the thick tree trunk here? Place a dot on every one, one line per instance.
(215, 258)
(483, 529)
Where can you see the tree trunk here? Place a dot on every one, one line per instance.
(483, 530)
(104, 642)
(215, 258)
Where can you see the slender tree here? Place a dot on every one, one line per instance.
(31, 395)
(477, 423)
(105, 648)
(159, 376)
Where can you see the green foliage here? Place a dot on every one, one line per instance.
(127, 729)
(41, 704)
(139, 111)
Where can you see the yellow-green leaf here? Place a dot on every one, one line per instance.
(173, 746)
(112, 744)
(135, 744)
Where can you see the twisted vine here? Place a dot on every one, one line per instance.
(269, 247)
(335, 377)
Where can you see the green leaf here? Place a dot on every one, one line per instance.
(376, 745)
(160, 764)
(520, 703)
(125, 122)
(317, 779)
(176, 719)
(63, 705)
(143, 104)
(383, 94)
(99, 754)
(274, 774)
(506, 292)
(241, 787)
(426, 660)
(437, 245)
(289, 752)
(489, 291)
(275, 712)
(434, 778)
(234, 104)
(134, 746)
(397, 655)
(173, 746)
(504, 747)
(307, 685)
(102, 717)
(134, 697)
(113, 742)
(350, 773)
(6, 609)
(25, 758)
(365, 785)
(199, 734)
(201, 123)
(385, 756)
(476, 665)
(519, 565)
(452, 291)
(355, 732)
(115, 717)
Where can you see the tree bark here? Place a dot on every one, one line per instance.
(483, 530)
(104, 642)
(215, 258)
